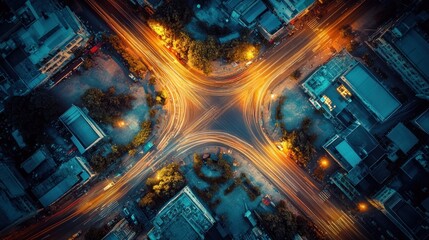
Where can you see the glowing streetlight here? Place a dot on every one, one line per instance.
(362, 207)
(273, 95)
(121, 123)
(324, 163)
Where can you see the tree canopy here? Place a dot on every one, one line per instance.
(283, 224)
(164, 185)
(106, 107)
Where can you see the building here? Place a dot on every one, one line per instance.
(287, 10)
(369, 90)
(406, 50)
(39, 164)
(245, 12)
(15, 204)
(402, 138)
(422, 121)
(121, 231)
(346, 91)
(42, 39)
(183, 217)
(270, 26)
(70, 174)
(85, 132)
(412, 222)
(350, 147)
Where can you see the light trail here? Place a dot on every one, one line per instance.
(192, 109)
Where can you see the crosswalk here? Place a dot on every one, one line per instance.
(108, 209)
(343, 223)
(312, 24)
(325, 195)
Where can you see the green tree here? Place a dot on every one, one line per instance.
(106, 107)
(167, 181)
(149, 200)
(143, 134)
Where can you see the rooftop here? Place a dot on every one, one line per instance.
(422, 121)
(270, 22)
(65, 178)
(183, 217)
(11, 182)
(323, 77)
(253, 12)
(351, 148)
(416, 49)
(402, 137)
(85, 131)
(121, 231)
(380, 101)
(40, 161)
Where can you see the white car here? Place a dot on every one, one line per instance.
(126, 212)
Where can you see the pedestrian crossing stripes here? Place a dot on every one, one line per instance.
(108, 210)
(312, 24)
(325, 195)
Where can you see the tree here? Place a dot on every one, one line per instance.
(281, 224)
(152, 80)
(148, 200)
(143, 134)
(164, 185)
(240, 51)
(167, 181)
(106, 107)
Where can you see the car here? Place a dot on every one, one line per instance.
(133, 218)
(126, 212)
(133, 77)
(108, 186)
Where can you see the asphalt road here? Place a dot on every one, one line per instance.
(208, 110)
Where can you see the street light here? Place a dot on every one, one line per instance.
(362, 207)
(324, 163)
(121, 123)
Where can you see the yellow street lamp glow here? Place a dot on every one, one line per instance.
(273, 96)
(157, 28)
(324, 163)
(121, 123)
(362, 207)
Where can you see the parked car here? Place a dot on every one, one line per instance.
(126, 212)
(133, 218)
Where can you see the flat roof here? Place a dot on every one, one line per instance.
(253, 12)
(270, 22)
(323, 77)
(380, 101)
(10, 181)
(67, 175)
(338, 102)
(183, 217)
(422, 121)
(58, 190)
(348, 153)
(35, 160)
(85, 131)
(416, 49)
(402, 137)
